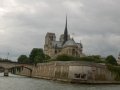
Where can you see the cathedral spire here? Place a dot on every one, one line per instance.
(65, 32)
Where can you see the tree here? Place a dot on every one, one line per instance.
(22, 59)
(111, 60)
(36, 56)
(47, 57)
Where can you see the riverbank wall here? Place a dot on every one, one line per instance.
(71, 71)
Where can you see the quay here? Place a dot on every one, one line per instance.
(72, 72)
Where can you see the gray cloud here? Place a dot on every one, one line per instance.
(24, 24)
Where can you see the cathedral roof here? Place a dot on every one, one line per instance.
(70, 42)
(57, 44)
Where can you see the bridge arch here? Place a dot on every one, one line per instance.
(2, 67)
(19, 69)
(4, 70)
(7, 67)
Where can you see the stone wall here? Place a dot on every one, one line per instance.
(70, 71)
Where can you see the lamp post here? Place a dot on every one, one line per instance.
(7, 55)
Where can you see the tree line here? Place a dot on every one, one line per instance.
(36, 56)
(6, 60)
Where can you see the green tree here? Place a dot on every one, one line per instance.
(22, 59)
(36, 56)
(47, 57)
(111, 60)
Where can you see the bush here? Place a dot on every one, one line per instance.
(114, 70)
(64, 58)
(71, 58)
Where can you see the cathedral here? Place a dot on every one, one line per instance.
(118, 61)
(65, 45)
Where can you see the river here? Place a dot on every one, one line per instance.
(14, 82)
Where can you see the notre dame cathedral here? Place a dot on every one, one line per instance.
(65, 45)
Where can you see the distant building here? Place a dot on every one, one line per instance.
(65, 45)
(118, 61)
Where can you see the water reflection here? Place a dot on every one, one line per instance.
(14, 82)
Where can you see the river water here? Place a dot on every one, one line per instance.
(14, 82)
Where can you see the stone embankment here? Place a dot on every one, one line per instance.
(71, 71)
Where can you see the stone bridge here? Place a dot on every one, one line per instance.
(7, 67)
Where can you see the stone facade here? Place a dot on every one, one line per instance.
(65, 45)
(118, 61)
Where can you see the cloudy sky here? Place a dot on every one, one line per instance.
(24, 23)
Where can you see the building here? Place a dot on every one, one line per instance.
(65, 45)
(118, 61)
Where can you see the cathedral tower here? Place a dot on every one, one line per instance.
(49, 38)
